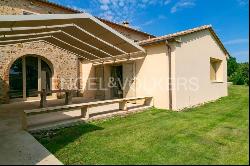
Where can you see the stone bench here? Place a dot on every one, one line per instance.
(148, 101)
(44, 93)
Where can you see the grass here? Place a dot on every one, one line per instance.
(216, 133)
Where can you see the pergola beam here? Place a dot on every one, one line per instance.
(76, 47)
(124, 57)
(39, 38)
(42, 40)
(51, 32)
(55, 32)
(99, 39)
(66, 50)
(73, 32)
(61, 27)
(50, 36)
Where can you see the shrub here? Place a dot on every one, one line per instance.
(241, 75)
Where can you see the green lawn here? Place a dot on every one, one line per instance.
(216, 133)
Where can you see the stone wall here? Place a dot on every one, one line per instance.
(65, 64)
(16, 7)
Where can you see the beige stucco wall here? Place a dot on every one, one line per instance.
(90, 88)
(63, 63)
(152, 75)
(87, 76)
(190, 72)
(107, 75)
(191, 64)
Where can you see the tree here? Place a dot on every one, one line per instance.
(232, 66)
(241, 75)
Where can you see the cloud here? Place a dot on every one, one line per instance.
(127, 10)
(243, 2)
(148, 23)
(237, 41)
(104, 7)
(167, 2)
(244, 53)
(152, 21)
(162, 17)
(116, 10)
(182, 4)
(121, 10)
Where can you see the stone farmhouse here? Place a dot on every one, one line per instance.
(46, 46)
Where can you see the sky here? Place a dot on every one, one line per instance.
(229, 18)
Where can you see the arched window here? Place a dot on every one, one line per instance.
(28, 75)
(16, 79)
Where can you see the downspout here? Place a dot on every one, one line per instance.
(170, 75)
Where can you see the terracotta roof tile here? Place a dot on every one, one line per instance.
(186, 32)
(169, 36)
(60, 6)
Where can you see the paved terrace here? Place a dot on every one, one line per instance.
(19, 147)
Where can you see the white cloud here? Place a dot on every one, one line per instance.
(243, 2)
(152, 21)
(182, 4)
(104, 7)
(167, 2)
(148, 23)
(121, 10)
(162, 17)
(237, 41)
(241, 53)
(104, 1)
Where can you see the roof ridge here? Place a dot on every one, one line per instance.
(59, 5)
(183, 32)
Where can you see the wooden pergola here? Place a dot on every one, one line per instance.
(81, 34)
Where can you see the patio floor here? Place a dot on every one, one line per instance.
(19, 147)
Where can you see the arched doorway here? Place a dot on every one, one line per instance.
(28, 75)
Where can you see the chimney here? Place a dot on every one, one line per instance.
(125, 23)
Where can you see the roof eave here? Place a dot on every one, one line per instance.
(169, 38)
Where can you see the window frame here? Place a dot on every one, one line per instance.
(217, 65)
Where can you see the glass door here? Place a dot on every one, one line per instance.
(16, 80)
(116, 74)
(31, 76)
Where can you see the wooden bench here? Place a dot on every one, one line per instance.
(148, 101)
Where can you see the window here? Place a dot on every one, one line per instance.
(16, 79)
(216, 72)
